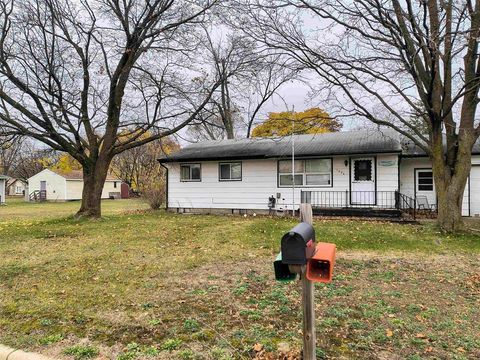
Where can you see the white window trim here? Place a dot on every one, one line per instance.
(190, 172)
(230, 163)
(417, 178)
(304, 174)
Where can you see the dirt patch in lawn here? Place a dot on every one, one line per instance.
(378, 307)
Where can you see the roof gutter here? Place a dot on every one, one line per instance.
(426, 156)
(264, 157)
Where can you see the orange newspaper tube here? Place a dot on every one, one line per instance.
(320, 265)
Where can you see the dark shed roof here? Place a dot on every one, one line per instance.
(339, 143)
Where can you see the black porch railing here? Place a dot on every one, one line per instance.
(360, 199)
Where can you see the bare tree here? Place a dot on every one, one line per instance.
(251, 77)
(211, 125)
(265, 82)
(77, 75)
(139, 167)
(10, 149)
(387, 61)
(21, 158)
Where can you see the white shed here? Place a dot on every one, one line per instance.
(3, 183)
(56, 186)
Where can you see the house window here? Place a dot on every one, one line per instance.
(230, 171)
(18, 190)
(425, 180)
(115, 184)
(308, 172)
(362, 170)
(190, 172)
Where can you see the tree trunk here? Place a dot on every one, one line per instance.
(449, 208)
(450, 183)
(93, 181)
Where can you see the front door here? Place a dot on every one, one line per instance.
(363, 181)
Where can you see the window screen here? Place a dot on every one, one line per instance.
(287, 180)
(231, 171)
(190, 172)
(318, 172)
(309, 172)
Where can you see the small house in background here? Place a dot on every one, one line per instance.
(16, 187)
(3, 185)
(56, 186)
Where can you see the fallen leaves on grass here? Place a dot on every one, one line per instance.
(473, 282)
(263, 355)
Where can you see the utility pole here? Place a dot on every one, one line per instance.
(293, 160)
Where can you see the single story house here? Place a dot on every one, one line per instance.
(57, 186)
(3, 186)
(367, 169)
(16, 187)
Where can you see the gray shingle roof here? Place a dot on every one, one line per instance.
(411, 149)
(340, 143)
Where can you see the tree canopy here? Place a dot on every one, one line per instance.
(388, 62)
(139, 167)
(75, 75)
(310, 121)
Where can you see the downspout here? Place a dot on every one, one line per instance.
(166, 185)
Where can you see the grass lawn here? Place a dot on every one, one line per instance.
(17, 209)
(150, 285)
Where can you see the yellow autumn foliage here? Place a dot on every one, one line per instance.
(65, 164)
(310, 121)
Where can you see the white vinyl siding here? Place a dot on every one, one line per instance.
(408, 186)
(2, 190)
(61, 189)
(56, 184)
(259, 182)
(74, 189)
(475, 194)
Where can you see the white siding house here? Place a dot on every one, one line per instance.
(16, 187)
(3, 185)
(411, 172)
(67, 186)
(362, 169)
(259, 182)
